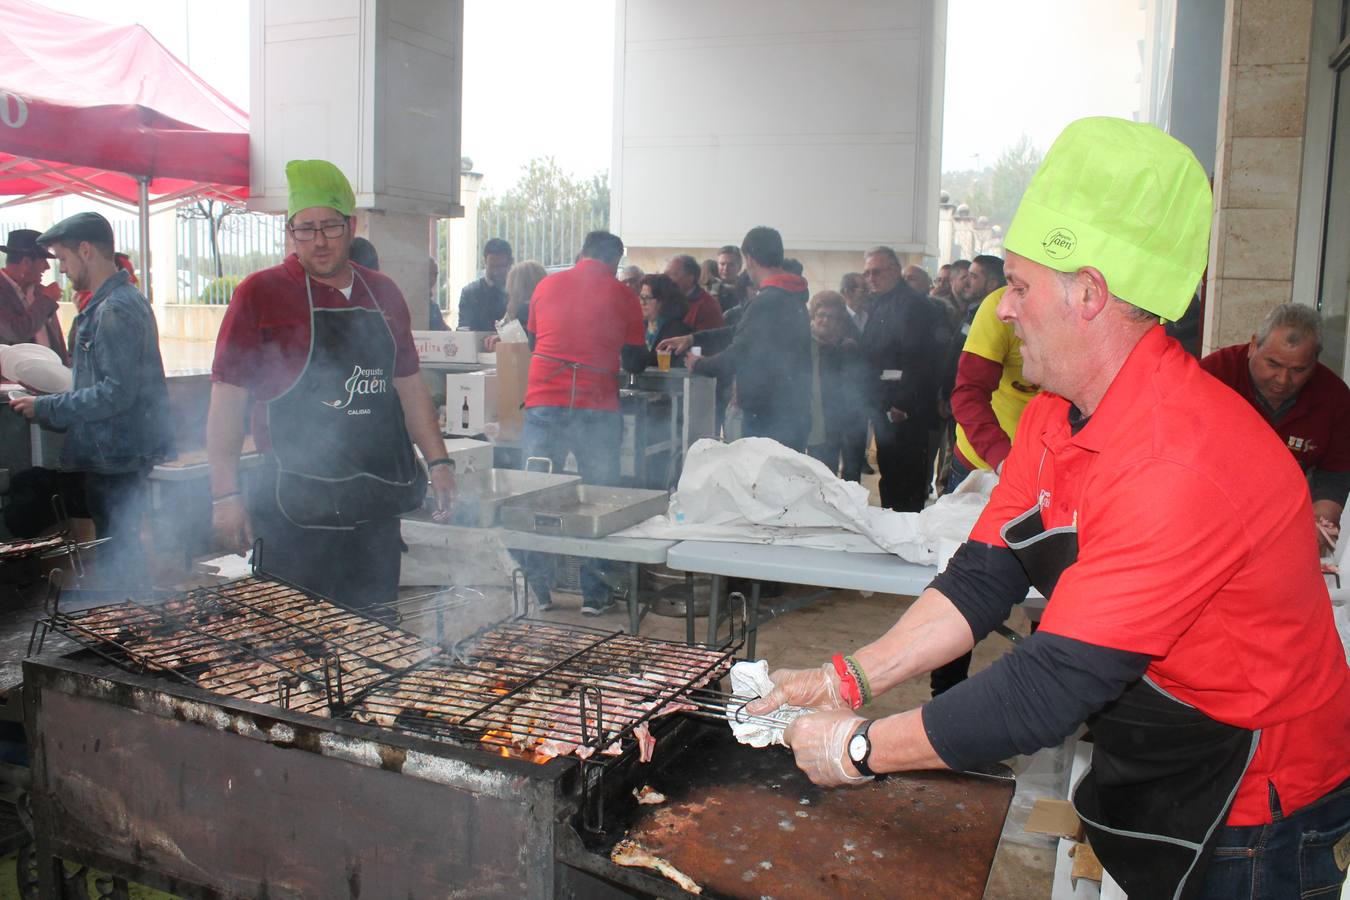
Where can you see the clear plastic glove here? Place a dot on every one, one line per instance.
(819, 741)
(814, 688)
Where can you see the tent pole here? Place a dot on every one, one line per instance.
(143, 183)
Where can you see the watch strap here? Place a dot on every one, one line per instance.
(862, 764)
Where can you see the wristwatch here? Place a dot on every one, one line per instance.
(860, 749)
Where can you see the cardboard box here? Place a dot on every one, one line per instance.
(449, 346)
(1056, 817)
(513, 375)
(470, 401)
(469, 455)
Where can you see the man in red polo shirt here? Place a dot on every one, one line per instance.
(1306, 403)
(1187, 622)
(584, 325)
(705, 312)
(317, 352)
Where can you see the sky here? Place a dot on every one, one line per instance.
(1013, 67)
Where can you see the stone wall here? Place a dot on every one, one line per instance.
(1262, 102)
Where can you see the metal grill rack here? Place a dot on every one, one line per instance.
(253, 638)
(537, 690)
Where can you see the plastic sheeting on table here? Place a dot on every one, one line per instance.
(757, 491)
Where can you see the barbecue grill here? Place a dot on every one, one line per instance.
(18, 557)
(504, 764)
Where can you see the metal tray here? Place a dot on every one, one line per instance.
(587, 510)
(479, 495)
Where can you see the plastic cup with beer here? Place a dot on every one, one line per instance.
(663, 360)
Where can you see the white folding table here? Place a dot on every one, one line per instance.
(879, 572)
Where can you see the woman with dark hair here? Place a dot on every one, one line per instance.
(663, 309)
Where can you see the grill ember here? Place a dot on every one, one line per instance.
(525, 689)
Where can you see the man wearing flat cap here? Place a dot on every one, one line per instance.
(116, 416)
(317, 354)
(1187, 623)
(27, 312)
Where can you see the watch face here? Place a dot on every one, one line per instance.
(857, 747)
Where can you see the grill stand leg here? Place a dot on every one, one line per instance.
(634, 599)
(752, 621)
(714, 610)
(688, 610)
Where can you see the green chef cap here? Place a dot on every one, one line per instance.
(317, 182)
(1123, 198)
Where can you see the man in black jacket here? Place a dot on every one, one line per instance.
(903, 343)
(768, 351)
(482, 303)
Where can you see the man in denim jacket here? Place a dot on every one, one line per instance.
(116, 416)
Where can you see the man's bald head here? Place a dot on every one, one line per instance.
(917, 279)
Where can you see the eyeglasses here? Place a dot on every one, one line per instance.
(331, 230)
(646, 297)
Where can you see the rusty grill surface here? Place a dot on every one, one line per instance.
(746, 823)
(537, 690)
(251, 639)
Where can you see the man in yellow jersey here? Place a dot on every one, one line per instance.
(987, 402)
(989, 395)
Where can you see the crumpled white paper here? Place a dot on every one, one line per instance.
(750, 681)
(757, 491)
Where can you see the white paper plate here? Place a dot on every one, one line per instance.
(46, 376)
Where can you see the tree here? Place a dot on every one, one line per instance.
(214, 212)
(546, 214)
(1009, 179)
(995, 191)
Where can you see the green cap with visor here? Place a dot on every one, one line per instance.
(317, 182)
(1126, 199)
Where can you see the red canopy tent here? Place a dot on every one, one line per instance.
(106, 112)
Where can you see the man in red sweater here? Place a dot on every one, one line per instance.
(705, 313)
(1307, 404)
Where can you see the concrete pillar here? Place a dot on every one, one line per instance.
(464, 245)
(1262, 101)
(164, 257)
(403, 241)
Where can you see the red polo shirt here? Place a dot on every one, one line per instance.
(583, 315)
(264, 338)
(1316, 430)
(705, 313)
(1196, 547)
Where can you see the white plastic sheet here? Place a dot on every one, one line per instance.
(757, 491)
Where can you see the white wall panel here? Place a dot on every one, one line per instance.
(371, 85)
(821, 119)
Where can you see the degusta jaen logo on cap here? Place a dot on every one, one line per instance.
(1059, 243)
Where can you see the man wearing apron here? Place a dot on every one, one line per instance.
(318, 353)
(1188, 623)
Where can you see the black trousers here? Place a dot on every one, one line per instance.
(117, 505)
(356, 567)
(788, 430)
(902, 462)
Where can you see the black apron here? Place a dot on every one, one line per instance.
(342, 449)
(1163, 774)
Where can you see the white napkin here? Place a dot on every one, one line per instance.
(749, 681)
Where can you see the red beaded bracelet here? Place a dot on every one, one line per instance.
(848, 684)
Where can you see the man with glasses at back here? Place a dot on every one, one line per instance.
(319, 352)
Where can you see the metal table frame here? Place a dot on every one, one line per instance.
(881, 572)
(636, 552)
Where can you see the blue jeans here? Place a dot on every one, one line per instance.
(1291, 857)
(958, 474)
(592, 436)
